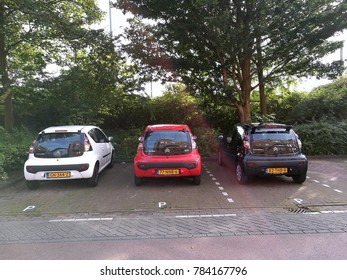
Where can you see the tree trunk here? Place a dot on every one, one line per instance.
(263, 106)
(260, 71)
(7, 96)
(246, 90)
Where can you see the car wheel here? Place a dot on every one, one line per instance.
(138, 181)
(300, 178)
(197, 180)
(220, 157)
(32, 185)
(110, 165)
(241, 177)
(93, 181)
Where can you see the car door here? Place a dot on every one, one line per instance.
(104, 146)
(225, 144)
(236, 143)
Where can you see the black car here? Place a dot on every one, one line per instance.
(263, 150)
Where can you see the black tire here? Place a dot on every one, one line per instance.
(33, 185)
(241, 177)
(110, 165)
(138, 181)
(93, 181)
(197, 180)
(220, 157)
(299, 179)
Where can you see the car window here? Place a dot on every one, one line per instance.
(57, 145)
(98, 136)
(274, 142)
(167, 142)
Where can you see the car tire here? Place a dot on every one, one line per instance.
(33, 185)
(220, 157)
(241, 177)
(299, 179)
(197, 180)
(110, 165)
(93, 181)
(138, 181)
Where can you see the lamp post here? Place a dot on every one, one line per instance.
(110, 6)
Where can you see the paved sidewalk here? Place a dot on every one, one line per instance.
(133, 227)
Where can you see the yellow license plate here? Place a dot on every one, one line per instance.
(53, 175)
(168, 172)
(277, 170)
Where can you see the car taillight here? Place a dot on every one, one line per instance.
(32, 147)
(194, 146)
(246, 143)
(87, 146)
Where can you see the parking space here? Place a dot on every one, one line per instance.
(218, 192)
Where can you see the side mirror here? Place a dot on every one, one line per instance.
(110, 139)
(194, 137)
(141, 139)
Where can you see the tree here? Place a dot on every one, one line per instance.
(95, 87)
(34, 33)
(232, 47)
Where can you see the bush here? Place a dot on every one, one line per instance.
(125, 142)
(323, 137)
(13, 149)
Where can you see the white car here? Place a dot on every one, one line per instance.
(68, 152)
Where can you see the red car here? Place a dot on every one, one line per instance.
(167, 150)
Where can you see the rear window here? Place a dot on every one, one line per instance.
(274, 142)
(167, 142)
(59, 145)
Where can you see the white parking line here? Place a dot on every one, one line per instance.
(206, 216)
(326, 212)
(325, 185)
(80, 220)
(214, 179)
(336, 190)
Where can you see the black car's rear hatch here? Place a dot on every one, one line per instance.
(273, 143)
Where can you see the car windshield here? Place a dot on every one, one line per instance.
(59, 145)
(167, 142)
(274, 142)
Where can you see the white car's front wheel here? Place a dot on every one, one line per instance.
(93, 181)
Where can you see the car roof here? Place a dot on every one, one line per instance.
(274, 126)
(67, 128)
(167, 127)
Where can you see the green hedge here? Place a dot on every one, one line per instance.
(125, 142)
(13, 149)
(323, 137)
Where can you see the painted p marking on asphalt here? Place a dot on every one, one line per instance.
(30, 207)
(162, 204)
